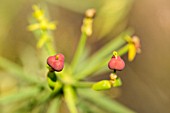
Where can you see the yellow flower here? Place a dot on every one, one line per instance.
(43, 25)
(38, 13)
(134, 47)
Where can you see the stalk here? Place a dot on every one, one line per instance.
(79, 50)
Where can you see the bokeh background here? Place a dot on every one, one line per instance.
(145, 80)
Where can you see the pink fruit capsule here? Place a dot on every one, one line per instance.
(116, 63)
(56, 62)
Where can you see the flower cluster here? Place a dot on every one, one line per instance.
(42, 22)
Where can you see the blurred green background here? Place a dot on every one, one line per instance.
(145, 80)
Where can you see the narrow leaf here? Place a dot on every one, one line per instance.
(69, 96)
(17, 71)
(24, 93)
(54, 106)
(103, 102)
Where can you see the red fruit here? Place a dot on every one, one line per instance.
(56, 62)
(116, 63)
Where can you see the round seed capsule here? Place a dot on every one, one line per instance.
(56, 62)
(116, 63)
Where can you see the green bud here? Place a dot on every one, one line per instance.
(117, 82)
(51, 78)
(102, 85)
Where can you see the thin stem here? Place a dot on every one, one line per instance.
(79, 50)
(48, 44)
(123, 50)
(49, 48)
(69, 96)
(54, 105)
(83, 84)
(114, 71)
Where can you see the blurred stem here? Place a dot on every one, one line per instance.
(103, 102)
(27, 92)
(54, 105)
(69, 96)
(79, 50)
(49, 45)
(49, 48)
(123, 50)
(83, 84)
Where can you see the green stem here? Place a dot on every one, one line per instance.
(48, 44)
(50, 48)
(69, 95)
(79, 50)
(123, 50)
(83, 84)
(54, 105)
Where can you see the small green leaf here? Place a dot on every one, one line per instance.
(117, 82)
(102, 85)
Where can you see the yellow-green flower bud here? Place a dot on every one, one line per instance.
(87, 26)
(102, 85)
